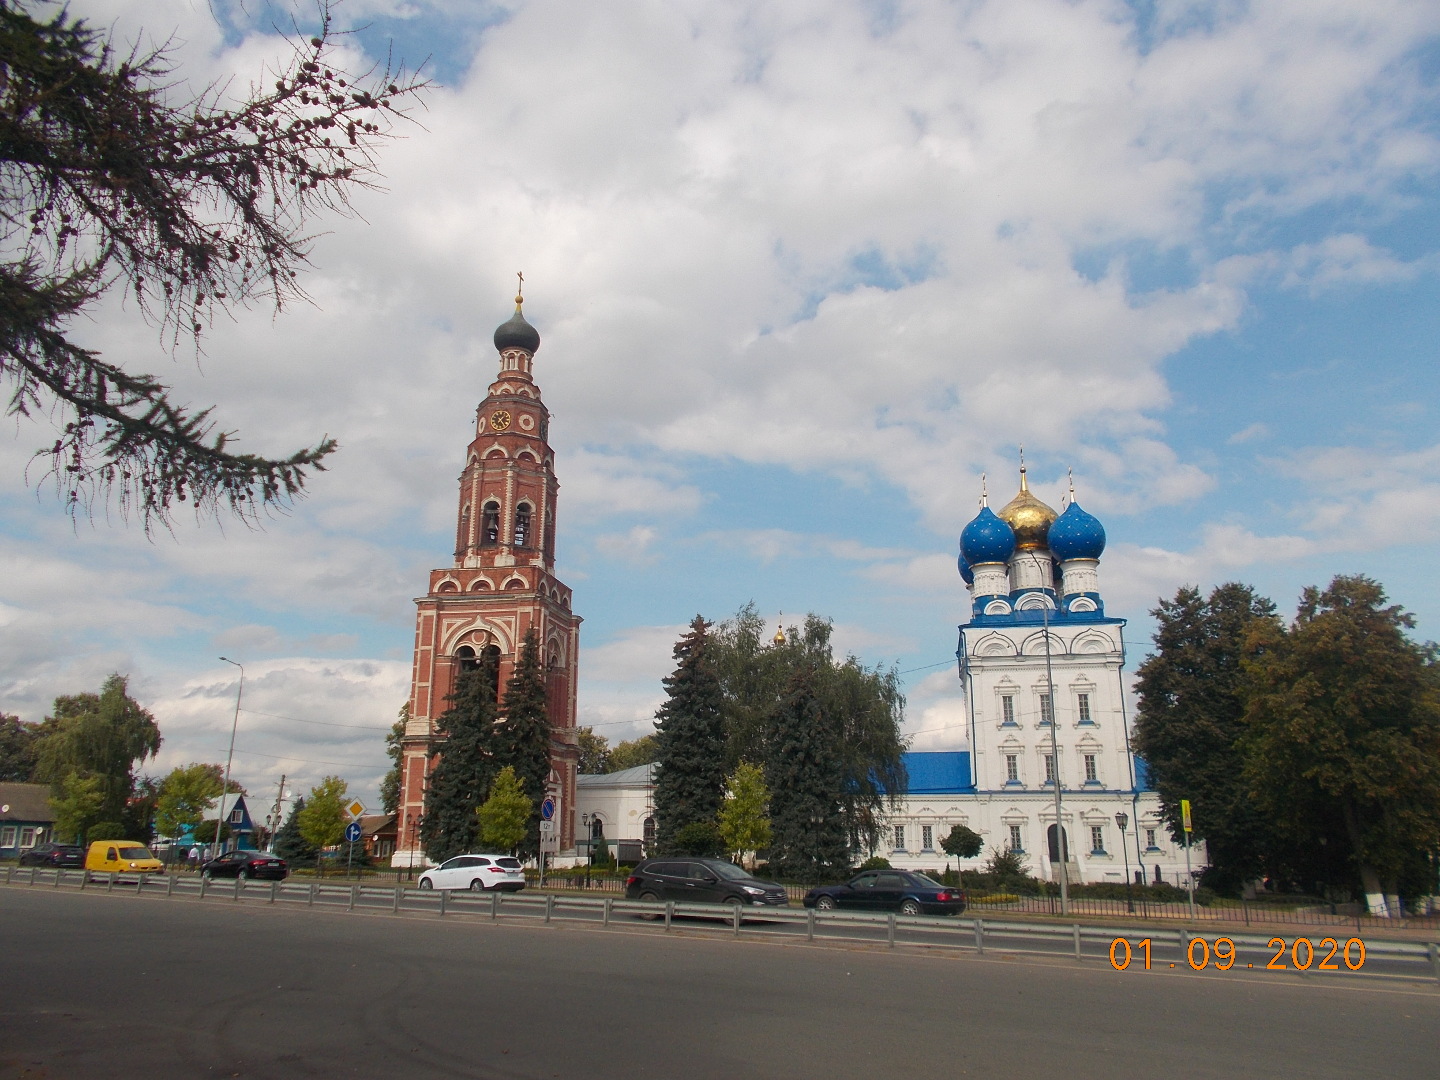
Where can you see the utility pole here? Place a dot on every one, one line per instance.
(279, 798)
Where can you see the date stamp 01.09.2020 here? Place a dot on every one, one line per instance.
(1301, 955)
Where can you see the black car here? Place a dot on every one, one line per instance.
(246, 864)
(701, 881)
(889, 890)
(62, 855)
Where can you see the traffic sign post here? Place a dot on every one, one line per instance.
(352, 834)
(355, 808)
(1185, 823)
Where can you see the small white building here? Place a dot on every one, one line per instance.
(619, 806)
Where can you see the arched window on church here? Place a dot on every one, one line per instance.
(462, 534)
(522, 525)
(490, 525)
(649, 835)
(466, 659)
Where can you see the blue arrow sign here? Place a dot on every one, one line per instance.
(547, 809)
(352, 831)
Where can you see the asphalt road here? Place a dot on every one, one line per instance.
(97, 985)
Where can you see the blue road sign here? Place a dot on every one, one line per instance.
(352, 832)
(547, 809)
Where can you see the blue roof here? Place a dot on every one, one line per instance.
(939, 772)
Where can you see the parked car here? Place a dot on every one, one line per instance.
(904, 891)
(62, 855)
(246, 864)
(477, 872)
(701, 881)
(121, 857)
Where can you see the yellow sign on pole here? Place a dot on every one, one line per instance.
(356, 809)
(1185, 814)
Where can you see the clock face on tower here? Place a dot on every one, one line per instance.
(499, 420)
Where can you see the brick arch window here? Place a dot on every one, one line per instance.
(522, 525)
(490, 524)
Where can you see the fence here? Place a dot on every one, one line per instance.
(1228, 911)
(1180, 948)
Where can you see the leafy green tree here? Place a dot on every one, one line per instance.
(290, 843)
(99, 736)
(594, 752)
(113, 179)
(521, 742)
(1190, 719)
(806, 773)
(1343, 746)
(105, 830)
(633, 753)
(322, 822)
(690, 730)
(866, 704)
(390, 783)
(699, 838)
(185, 794)
(462, 777)
(211, 832)
(138, 819)
(962, 842)
(77, 802)
(1006, 870)
(504, 817)
(17, 748)
(744, 816)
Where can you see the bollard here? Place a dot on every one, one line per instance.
(354, 895)
(1435, 959)
(810, 925)
(32, 874)
(274, 890)
(395, 906)
(443, 894)
(890, 930)
(236, 892)
(58, 872)
(110, 885)
(549, 905)
(310, 895)
(204, 881)
(495, 905)
(9, 874)
(736, 916)
(139, 884)
(669, 913)
(980, 936)
(169, 884)
(610, 900)
(1077, 941)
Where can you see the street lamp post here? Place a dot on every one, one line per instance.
(1122, 819)
(816, 820)
(589, 846)
(1061, 847)
(230, 757)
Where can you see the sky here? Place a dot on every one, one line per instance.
(802, 272)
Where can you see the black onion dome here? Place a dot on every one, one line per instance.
(516, 333)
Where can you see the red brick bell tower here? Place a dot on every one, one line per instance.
(501, 584)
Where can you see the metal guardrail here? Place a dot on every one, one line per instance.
(1121, 947)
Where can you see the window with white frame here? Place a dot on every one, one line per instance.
(1092, 776)
(1047, 710)
(1082, 706)
(27, 836)
(927, 838)
(1150, 840)
(1097, 839)
(1012, 768)
(7, 836)
(237, 816)
(1007, 709)
(899, 837)
(1015, 844)
(1049, 769)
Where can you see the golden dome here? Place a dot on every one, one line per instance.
(1028, 517)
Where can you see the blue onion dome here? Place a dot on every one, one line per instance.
(966, 574)
(1076, 535)
(516, 333)
(987, 539)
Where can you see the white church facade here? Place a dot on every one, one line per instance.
(1041, 672)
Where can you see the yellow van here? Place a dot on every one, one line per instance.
(121, 857)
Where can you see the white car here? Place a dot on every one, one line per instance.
(476, 872)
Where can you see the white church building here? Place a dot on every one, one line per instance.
(1041, 673)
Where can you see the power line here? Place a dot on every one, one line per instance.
(322, 723)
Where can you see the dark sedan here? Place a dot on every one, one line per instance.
(889, 890)
(246, 864)
(61, 855)
(701, 881)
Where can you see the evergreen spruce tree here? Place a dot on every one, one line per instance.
(460, 781)
(522, 740)
(690, 731)
(290, 845)
(805, 771)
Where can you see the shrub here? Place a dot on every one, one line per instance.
(700, 838)
(875, 862)
(105, 830)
